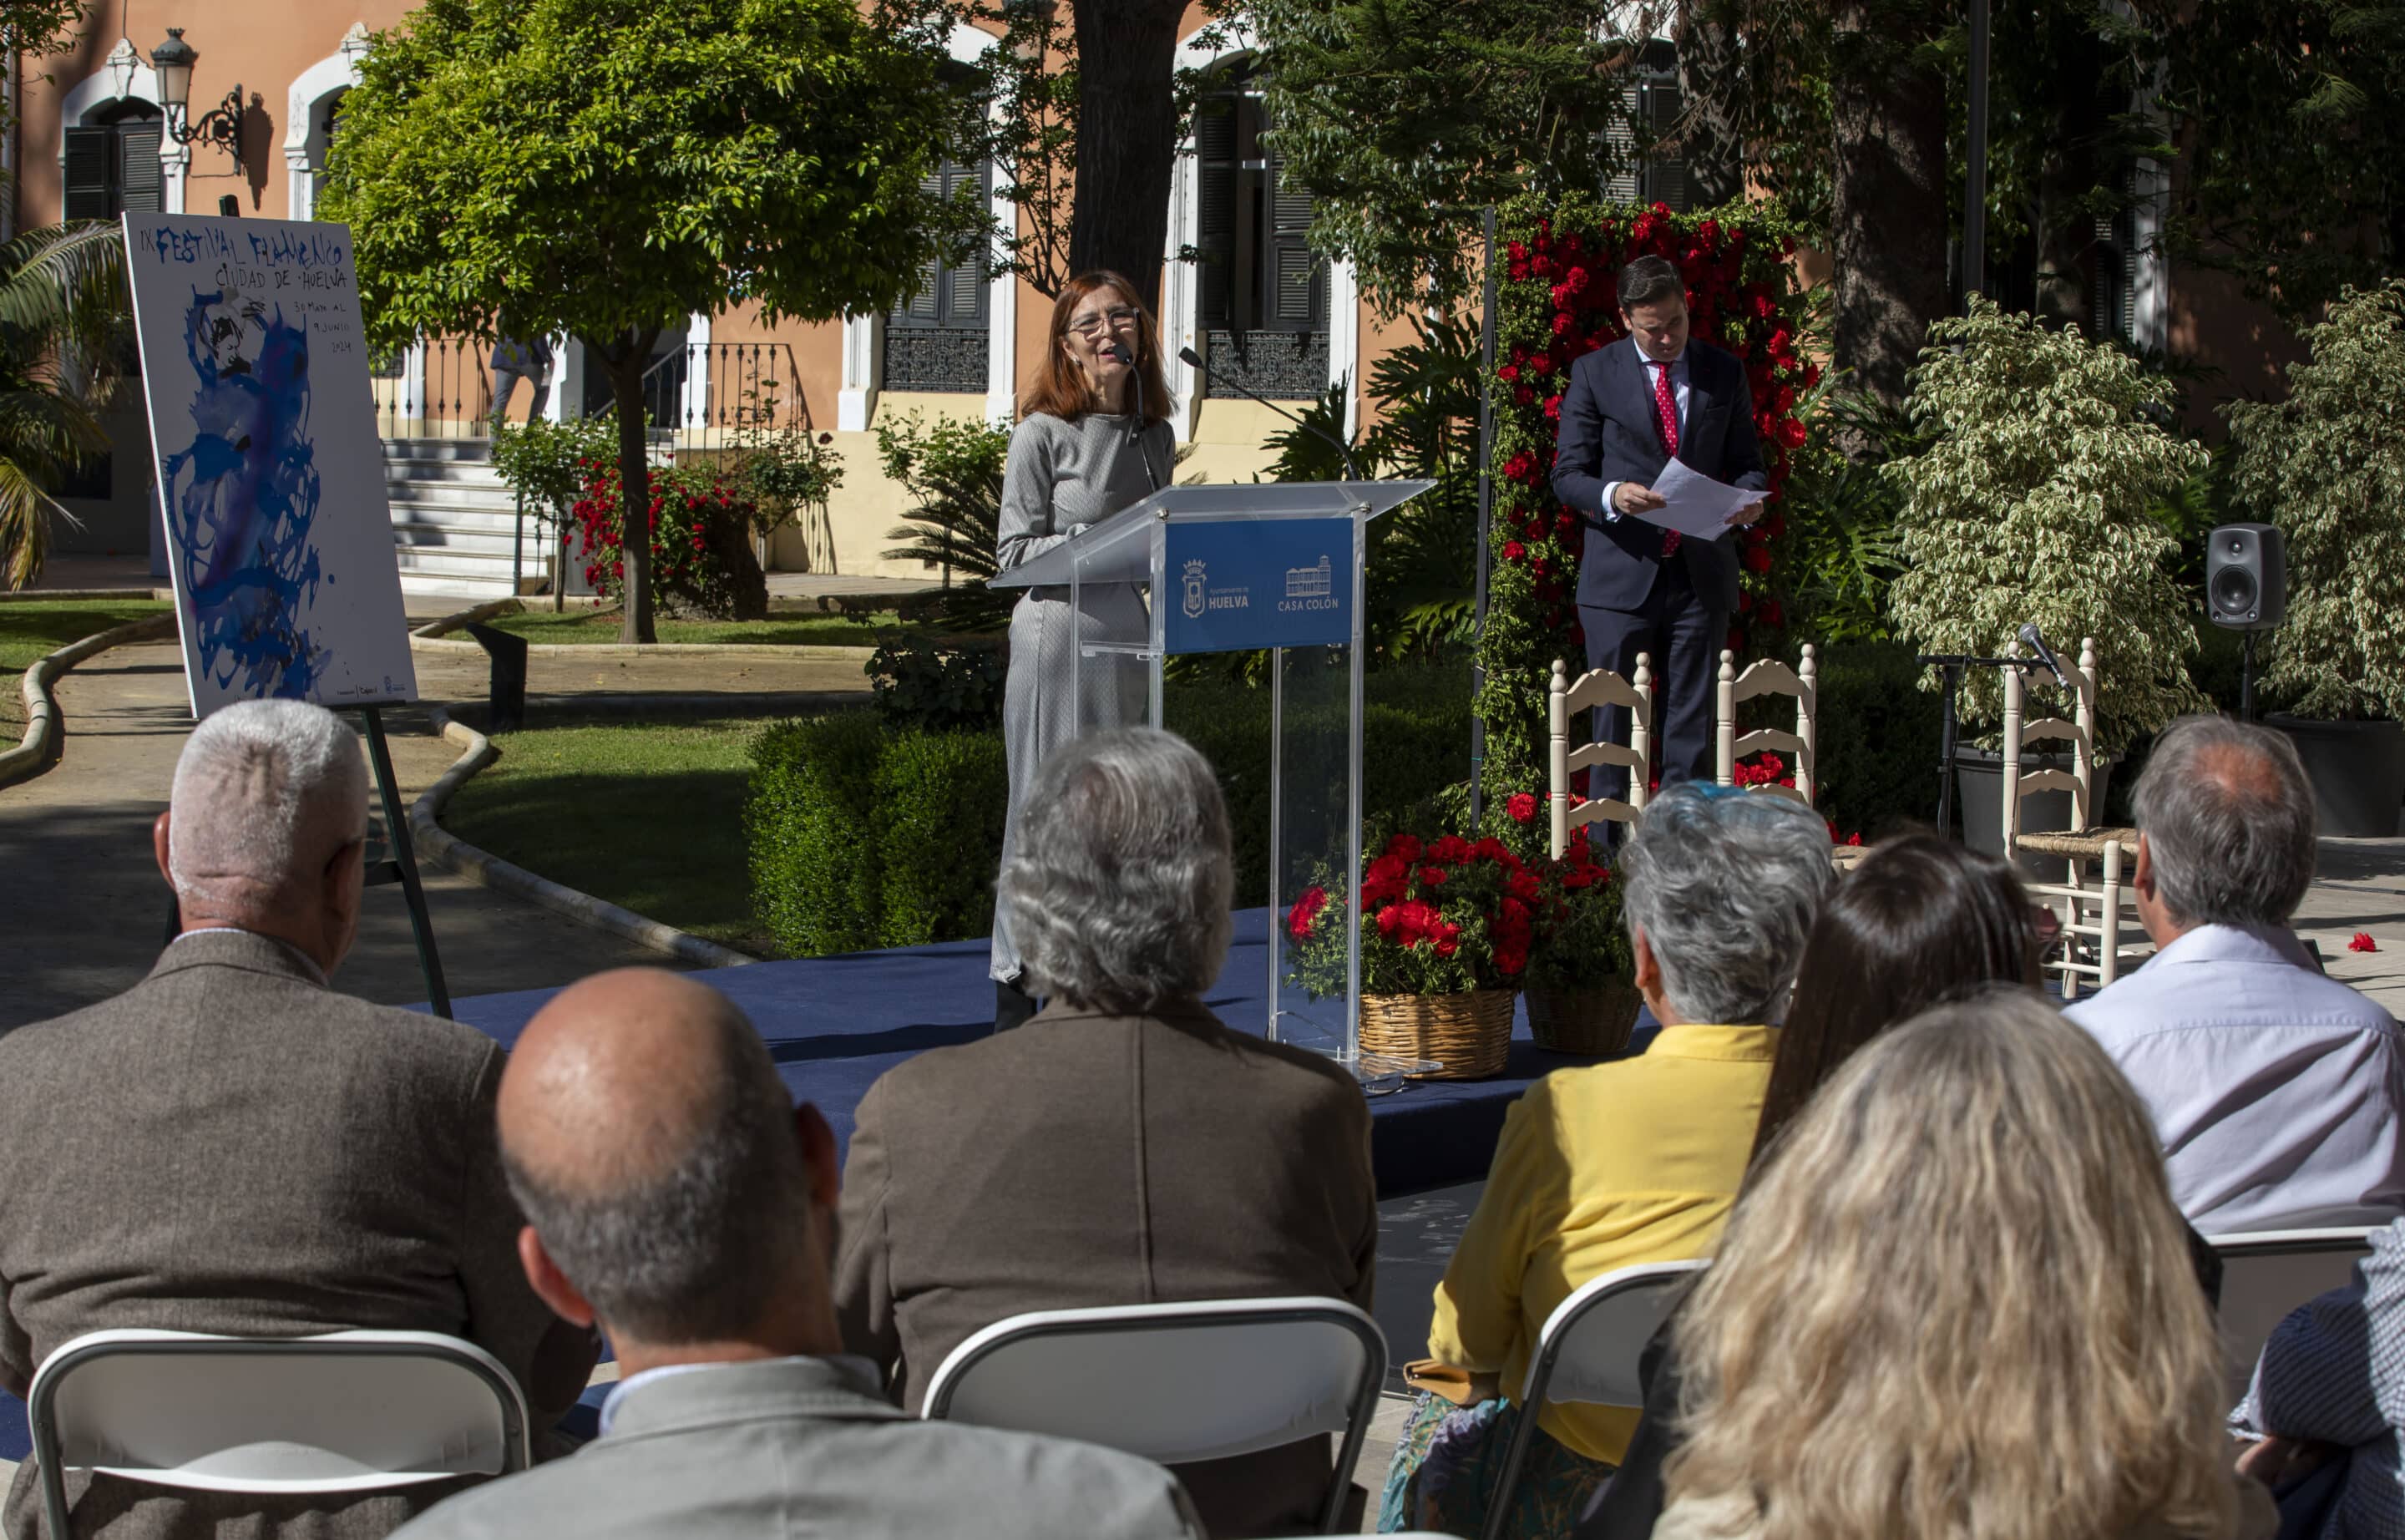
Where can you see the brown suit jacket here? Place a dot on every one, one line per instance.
(231, 1145)
(1087, 1160)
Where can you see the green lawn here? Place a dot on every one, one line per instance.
(813, 630)
(31, 628)
(650, 818)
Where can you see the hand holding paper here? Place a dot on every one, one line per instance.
(1695, 505)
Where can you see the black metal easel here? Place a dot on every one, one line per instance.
(403, 865)
(399, 866)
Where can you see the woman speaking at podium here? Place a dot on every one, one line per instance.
(1093, 438)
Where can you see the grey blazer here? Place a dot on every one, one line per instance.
(1086, 1160)
(802, 1448)
(231, 1145)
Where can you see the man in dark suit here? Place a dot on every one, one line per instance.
(1630, 409)
(1122, 1147)
(232, 1146)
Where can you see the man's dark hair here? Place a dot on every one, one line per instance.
(697, 1247)
(1650, 280)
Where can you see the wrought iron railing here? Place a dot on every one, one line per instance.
(698, 396)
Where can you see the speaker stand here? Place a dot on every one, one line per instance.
(2246, 677)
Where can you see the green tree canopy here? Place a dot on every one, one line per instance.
(608, 167)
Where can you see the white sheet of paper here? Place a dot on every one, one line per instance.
(1695, 504)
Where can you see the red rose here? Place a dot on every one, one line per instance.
(1509, 372)
(1404, 848)
(1447, 946)
(1791, 433)
(1451, 848)
(1513, 550)
(1522, 396)
(1521, 806)
(1306, 908)
(1433, 876)
(1757, 559)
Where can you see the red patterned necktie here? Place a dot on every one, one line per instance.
(1666, 415)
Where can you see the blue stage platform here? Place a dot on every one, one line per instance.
(834, 1023)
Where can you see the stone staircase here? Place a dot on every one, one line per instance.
(452, 521)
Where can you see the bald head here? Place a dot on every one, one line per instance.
(2227, 815)
(653, 1148)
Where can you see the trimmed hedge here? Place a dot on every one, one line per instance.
(865, 834)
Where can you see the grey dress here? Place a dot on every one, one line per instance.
(1061, 475)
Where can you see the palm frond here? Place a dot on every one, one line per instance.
(25, 513)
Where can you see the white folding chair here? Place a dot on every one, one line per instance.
(347, 1411)
(1178, 1382)
(1599, 687)
(2269, 1273)
(1588, 1353)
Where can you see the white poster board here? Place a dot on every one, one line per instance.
(270, 469)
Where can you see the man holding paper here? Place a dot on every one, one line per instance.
(1656, 452)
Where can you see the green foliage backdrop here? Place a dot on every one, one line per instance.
(2327, 466)
(2033, 505)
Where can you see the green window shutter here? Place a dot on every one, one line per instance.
(91, 173)
(1215, 234)
(1666, 172)
(924, 306)
(143, 180)
(1297, 278)
(964, 287)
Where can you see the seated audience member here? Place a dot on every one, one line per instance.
(2276, 1091)
(1612, 1164)
(1919, 921)
(2329, 1400)
(677, 1197)
(1122, 1147)
(231, 1145)
(1957, 1303)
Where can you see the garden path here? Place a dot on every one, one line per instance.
(82, 906)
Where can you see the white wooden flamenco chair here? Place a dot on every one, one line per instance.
(2094, 950)
(1601, 687)
(1768, 677)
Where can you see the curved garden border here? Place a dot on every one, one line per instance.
(39, 749)
(435, 636)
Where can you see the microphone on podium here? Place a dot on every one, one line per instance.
(1118, 351)
(2036, 642)
(1352, 471)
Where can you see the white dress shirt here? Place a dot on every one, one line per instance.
(2276, 1091)
(1678, 395)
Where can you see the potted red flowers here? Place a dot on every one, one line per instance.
(1581, 997)
(1447, 925)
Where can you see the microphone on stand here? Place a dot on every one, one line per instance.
(1352, 471)
(1118, 350)
(2036, 643)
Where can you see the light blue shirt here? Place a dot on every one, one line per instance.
(1678, 395)
(2276, 1091)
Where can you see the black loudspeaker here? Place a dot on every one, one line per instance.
(2246, 577)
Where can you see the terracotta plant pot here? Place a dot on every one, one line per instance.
(1468, 1035)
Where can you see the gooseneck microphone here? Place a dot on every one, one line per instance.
(1352, 471)
(1118, 351)
(2036, 643)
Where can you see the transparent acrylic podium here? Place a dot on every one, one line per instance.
(1247, 568)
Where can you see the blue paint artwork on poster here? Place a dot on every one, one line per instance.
(243, 493)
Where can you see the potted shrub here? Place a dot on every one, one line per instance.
(2032, 504)
(2327, 466)
(1578, 985)
(1446, 929)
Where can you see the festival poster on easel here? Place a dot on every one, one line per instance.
(270, 467)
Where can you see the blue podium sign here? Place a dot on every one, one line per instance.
(1240, 584)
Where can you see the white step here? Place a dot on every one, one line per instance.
(415, 506)
(439, 562)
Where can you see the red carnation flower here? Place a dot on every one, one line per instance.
(1513, 550)
(2363, 943)
(1521, 806)
(1757, 560)
(1306, 909)
(1772, 614)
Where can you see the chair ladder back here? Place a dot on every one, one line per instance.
(1597, 687)
(1768, 677)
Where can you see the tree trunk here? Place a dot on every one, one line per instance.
(625, 363)
(1889, 220)
(1127, 138)
(1710, 81)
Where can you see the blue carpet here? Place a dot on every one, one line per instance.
(834, 1025)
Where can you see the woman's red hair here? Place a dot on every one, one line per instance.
(1060, 386)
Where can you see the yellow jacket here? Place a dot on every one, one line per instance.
(1600, 1169)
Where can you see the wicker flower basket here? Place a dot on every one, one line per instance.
(1469, 1034)
(1597, 1019)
